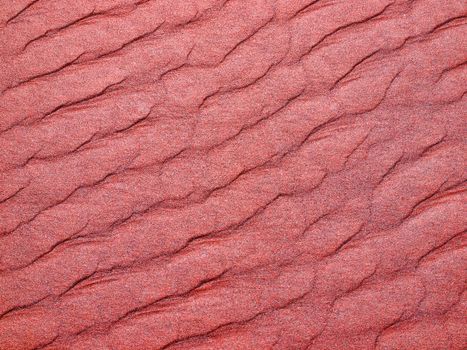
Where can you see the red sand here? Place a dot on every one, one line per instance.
(243, 174)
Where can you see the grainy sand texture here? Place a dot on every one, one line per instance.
(233, 175)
